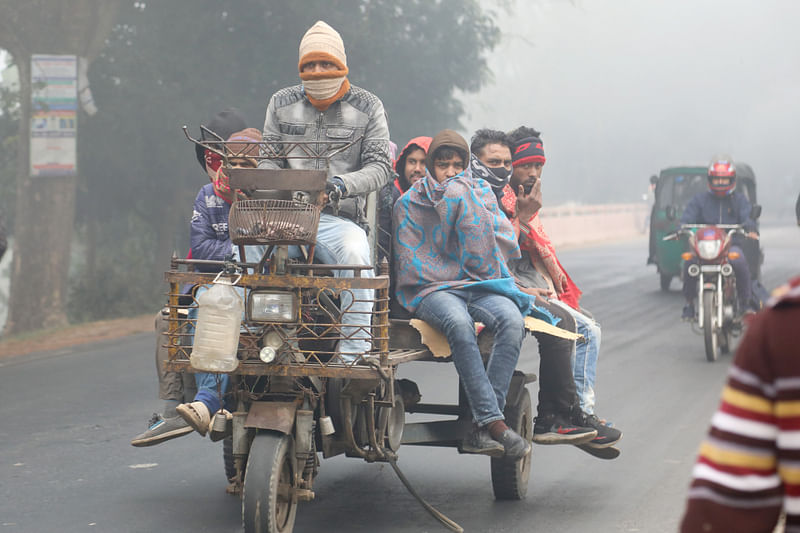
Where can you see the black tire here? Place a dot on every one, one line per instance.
(510, 476)
(268, 505)
(665, 280)
(710, 326)
(227, 457)
(725, 340)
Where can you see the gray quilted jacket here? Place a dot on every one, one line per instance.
(364, 167)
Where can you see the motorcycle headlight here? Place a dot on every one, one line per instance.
(709, 249)
(272, 306)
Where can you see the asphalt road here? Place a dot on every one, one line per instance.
(66, 419)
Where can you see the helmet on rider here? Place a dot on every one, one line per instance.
(721, 175)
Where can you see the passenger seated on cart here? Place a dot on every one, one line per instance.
(409, 167)
(558, 399)
(721, 204)
(540, 272)
(326, 107)
(176, 388)
(450, 269)
(210, 240)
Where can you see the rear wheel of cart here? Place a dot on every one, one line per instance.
(268, 501)
(510, 476)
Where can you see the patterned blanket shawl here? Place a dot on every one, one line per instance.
(453, 236)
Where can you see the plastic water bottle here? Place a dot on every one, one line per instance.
(216, 337)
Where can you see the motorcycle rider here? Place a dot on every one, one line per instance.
(208, 242)
(327, 107)
(721, 204)
(520, 198)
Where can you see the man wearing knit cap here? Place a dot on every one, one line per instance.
(325, 107)
(541, 273)
(451, 271)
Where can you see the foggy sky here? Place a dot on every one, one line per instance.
(621, 88)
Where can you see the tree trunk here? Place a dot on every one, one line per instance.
(42, 232)
(45, 206)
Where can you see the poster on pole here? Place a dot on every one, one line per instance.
(54, 110)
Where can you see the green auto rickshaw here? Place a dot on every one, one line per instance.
(674, 187)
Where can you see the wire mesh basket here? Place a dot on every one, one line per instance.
(273, 222)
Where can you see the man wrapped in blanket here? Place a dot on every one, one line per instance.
(452, 244)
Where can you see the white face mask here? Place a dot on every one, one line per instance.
(323, 89)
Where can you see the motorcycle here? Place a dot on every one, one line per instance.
(719, 316)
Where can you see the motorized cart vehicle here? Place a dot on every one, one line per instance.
(292, 393)
(674, 187)
(719, 313)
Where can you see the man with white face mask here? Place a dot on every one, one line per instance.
(327, 108)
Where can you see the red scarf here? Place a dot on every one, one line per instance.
(539, 243)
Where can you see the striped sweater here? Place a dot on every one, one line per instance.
(748, 467)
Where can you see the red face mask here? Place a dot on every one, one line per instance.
(213, 161)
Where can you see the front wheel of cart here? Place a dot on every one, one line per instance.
(268, 500)
(510, 476)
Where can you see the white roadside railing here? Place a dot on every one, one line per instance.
(573, 225)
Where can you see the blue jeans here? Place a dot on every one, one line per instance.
(584, 357)
(210, 388)
(340, 241)
(454, 313)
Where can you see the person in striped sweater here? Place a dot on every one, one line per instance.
(748, 468)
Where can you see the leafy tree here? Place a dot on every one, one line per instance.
(167, 64)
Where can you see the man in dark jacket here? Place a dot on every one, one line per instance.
(721, 204)
(409, 167)
(209, 240)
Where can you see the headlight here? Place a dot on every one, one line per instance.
(709, 249)
(272, 306)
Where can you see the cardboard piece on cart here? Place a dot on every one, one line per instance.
(439, 347)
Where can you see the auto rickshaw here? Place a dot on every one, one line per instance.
(674, 187)
(293, 394)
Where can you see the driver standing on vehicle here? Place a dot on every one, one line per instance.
(721, 204)
(327, 108)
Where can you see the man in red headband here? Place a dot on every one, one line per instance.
(327, 108)
(542, 274)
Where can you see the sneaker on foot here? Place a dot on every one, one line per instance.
(514, 445)
(606, 435)
(196, 415)
(556, 429)
(479, 441)
(161, 429)
(688, 313)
